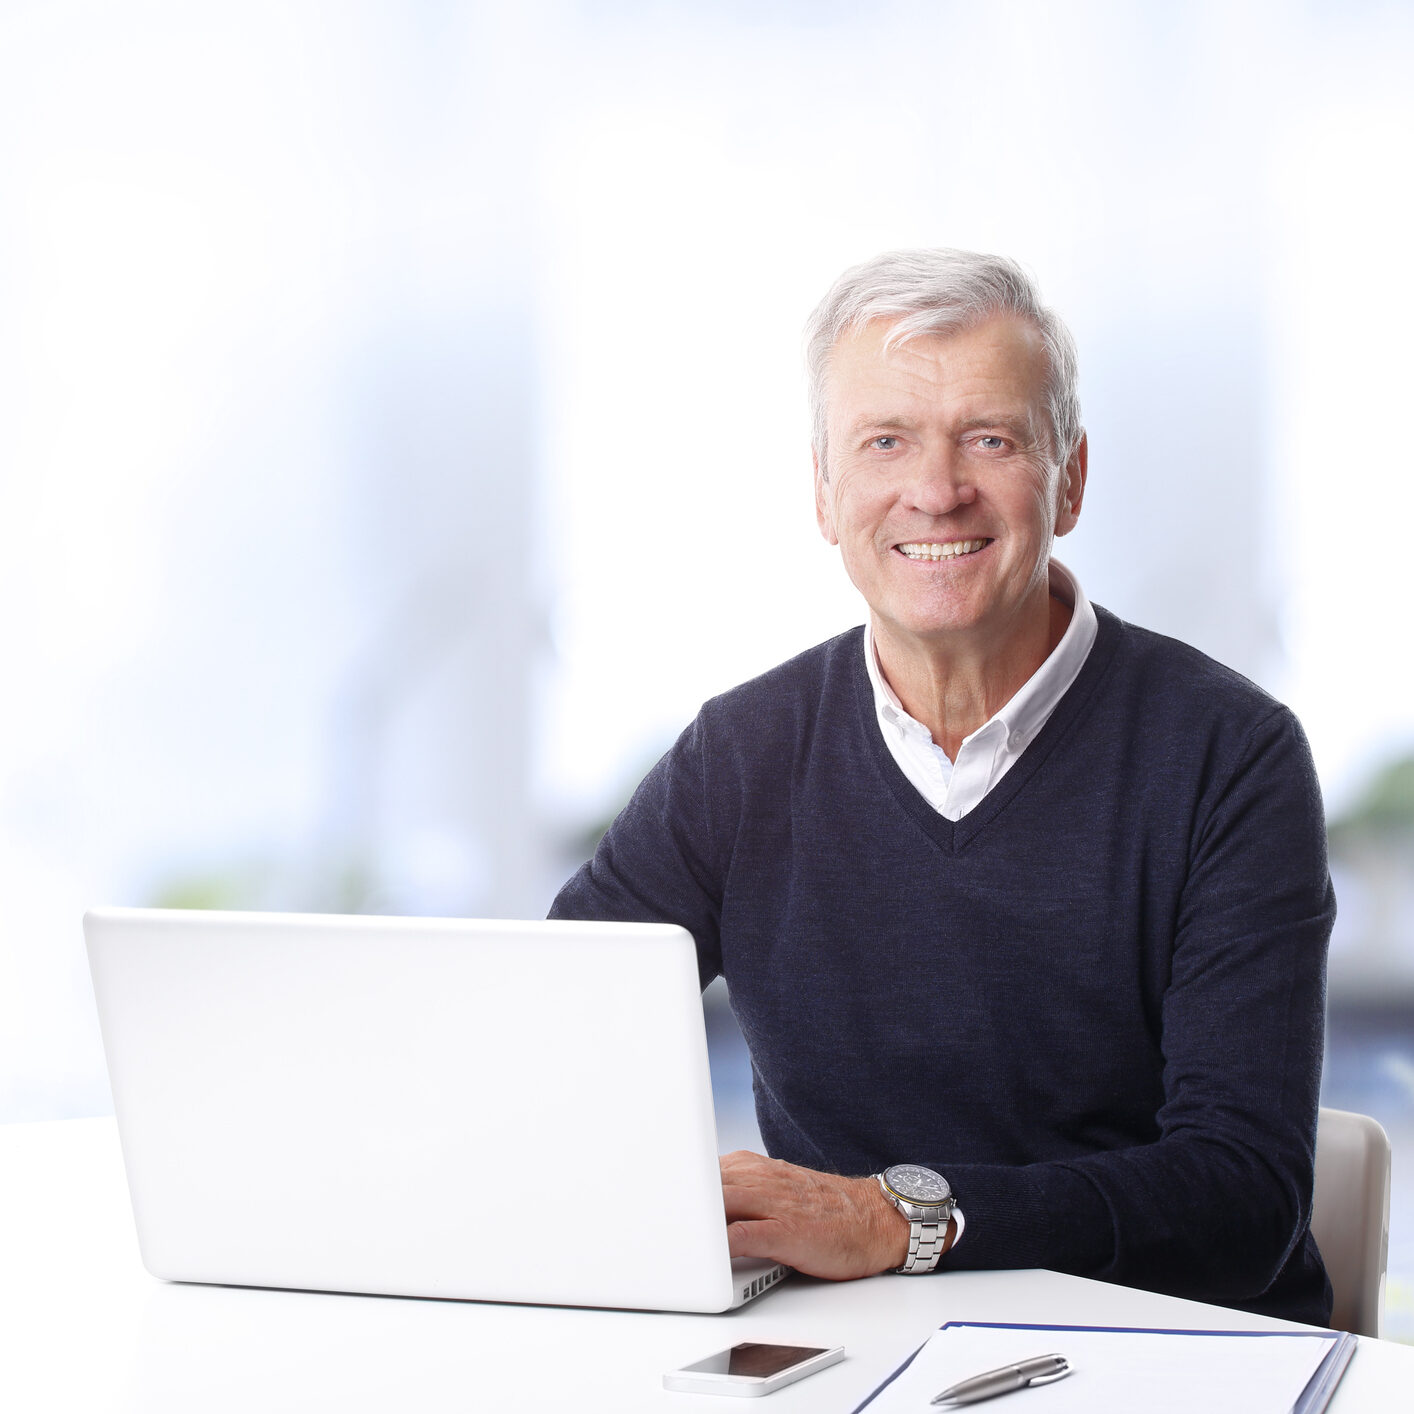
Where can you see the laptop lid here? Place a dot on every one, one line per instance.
(491, 1110)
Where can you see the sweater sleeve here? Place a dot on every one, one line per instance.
(1218, 1206)
(658, 862)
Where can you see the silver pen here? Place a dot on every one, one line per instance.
(1025, 1372)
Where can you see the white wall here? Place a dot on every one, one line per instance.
(403, 430)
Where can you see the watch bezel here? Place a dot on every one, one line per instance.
(940, 1203)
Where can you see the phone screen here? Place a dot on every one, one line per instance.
(753, 1361)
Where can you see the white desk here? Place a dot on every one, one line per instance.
(82, 1325)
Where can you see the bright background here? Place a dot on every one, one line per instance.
(402, 431)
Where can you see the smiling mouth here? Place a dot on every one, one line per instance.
(947, 550)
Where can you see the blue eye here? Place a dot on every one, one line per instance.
(880, 441)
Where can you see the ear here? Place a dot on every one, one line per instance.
(824, 512)
(1072, 487)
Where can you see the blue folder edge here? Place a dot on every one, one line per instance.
(1314, 1397)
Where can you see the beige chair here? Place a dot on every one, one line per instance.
(1350, 1216)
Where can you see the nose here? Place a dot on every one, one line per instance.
(940, 484)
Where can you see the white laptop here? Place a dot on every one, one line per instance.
(418, 1107)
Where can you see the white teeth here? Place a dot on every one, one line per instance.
(927, 551)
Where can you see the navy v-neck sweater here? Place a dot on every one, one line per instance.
(1094, 1003)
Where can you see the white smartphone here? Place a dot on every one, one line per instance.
(750, 1368)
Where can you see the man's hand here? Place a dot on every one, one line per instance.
(822, 1225)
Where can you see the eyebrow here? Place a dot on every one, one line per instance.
(1023, 425)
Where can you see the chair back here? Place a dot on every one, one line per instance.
(1350, 1216)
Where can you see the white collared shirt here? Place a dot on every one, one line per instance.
(954, 787)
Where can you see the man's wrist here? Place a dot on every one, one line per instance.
(891, 1229)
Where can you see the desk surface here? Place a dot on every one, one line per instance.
(84, 1326)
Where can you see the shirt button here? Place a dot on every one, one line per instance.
(1018, 740)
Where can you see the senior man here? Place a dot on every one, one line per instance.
(1023, 910)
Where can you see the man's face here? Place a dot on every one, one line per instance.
(942, 492)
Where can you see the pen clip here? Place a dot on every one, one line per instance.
(1062, 1369)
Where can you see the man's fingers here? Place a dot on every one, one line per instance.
(751, 1185)
(741, 1161)
(754, 1239)
(748, 1200)
(754, 1186)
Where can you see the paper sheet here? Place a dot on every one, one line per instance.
(1154, 1372)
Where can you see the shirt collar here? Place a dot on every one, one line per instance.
(1031, 705)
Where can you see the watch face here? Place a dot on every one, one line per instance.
(915, 1184)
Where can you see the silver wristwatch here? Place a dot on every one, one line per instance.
(926, 1200)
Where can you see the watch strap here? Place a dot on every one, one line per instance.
(927, 1241)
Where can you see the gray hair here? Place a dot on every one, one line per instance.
(941, 292)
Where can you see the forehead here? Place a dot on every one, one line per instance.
(998, 365)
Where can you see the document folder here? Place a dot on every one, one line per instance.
(1125, 1368)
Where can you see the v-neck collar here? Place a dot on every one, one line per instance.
(953, 835)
